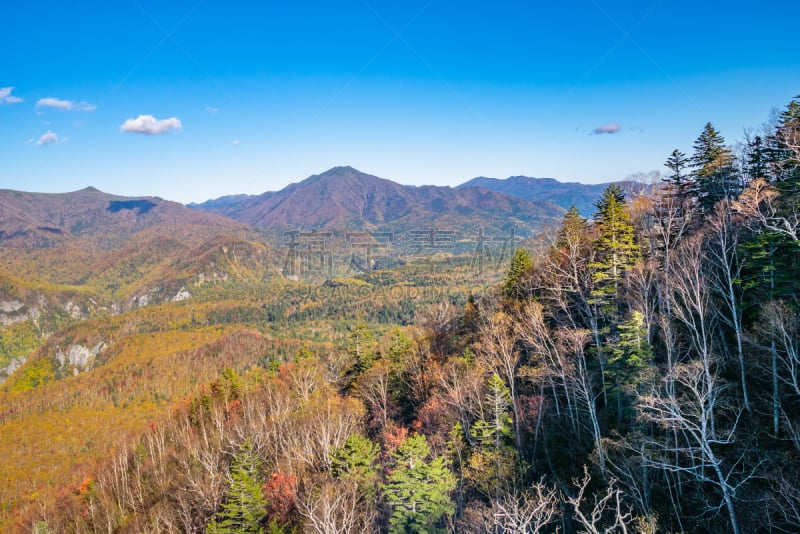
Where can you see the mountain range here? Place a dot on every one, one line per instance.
(345, 198)
(564, 194)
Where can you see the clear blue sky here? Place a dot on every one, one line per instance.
(245, 97)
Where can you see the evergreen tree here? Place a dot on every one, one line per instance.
(355, 461)
(573, 229)
(493, 463)
(784, 146)
(361, 345)
(521, 265)
(630, 364)
(244, 508)
(497, 431)
(616, 249)
(714, 171)
(418, 490)
(772, 257)
(679, 183)
(757, 159)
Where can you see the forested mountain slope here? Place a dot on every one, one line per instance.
(345, 198)
(637, 372)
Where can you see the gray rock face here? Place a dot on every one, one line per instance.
(10, 306)
(12, 366)
(183, 294)
(13, 311)
(79, 357)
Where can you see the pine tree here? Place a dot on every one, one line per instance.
(355, 461)
(714, 171)
(630, 364)
(757, 159)
(497, 431)
(679, 183)
(244, 508)
(616, 249)
(493, 463)
(361, 344)
(573, 229)
(417, 490)
(521, 265)
(784, 151)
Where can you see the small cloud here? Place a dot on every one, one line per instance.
(7, 98)
(235, 142)
(149, 125)
(85, 106)
(64, 105)
(50, 138)
(610, 128)
(212, 110)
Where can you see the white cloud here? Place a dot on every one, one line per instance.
(7, 98)
(64, 105)
(149, 125)
(610, 128)
(85, 106)
(235, 142)
(49, 138)
(212, 110)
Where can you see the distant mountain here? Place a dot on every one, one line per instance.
(564, 194)
(132, 251)
(345, 198)
(226, 206)
(40, 220)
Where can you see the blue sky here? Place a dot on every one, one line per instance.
(194, 100)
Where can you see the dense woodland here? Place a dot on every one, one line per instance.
(640, 372)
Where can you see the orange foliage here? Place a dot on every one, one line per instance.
(281, 493)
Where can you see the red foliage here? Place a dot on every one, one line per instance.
(233, 410)
(435, 419)
(393, 436)
(281, 493)
(86, 486)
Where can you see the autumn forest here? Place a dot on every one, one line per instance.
(634, 370)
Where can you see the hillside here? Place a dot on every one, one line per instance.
(345, 198)
(66, 258)
(89, 217)
(563, 194)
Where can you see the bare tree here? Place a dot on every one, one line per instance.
(549, 354)
(689, 414)
(726, 270)
(607, 513)
(526, 512)
(759, 202)
(692, 308)
(497, 346)
(335, 507)
(575, 341)
(781, 326)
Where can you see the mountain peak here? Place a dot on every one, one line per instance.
(345, 198)
(340, 169)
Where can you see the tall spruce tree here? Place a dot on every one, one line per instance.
(521, 265)
(493, 463)
(630, 364)
(679, 182)
(244, 508)
(418, 489)
(355, 461)
(713, 169)
(616, 249)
